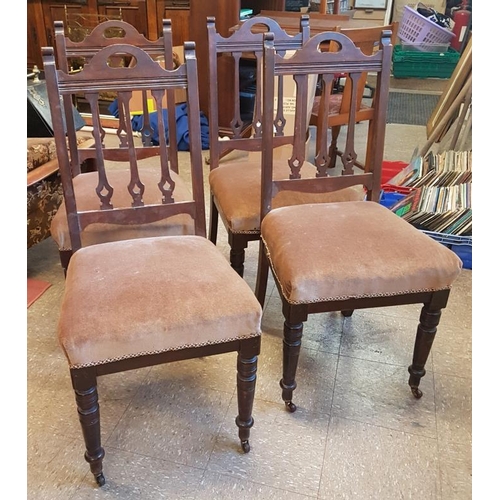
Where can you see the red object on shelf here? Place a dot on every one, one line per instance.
(461, 19)
(391, 188)
(390, 169)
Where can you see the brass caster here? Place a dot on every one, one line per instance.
(100, 479)
(290, 406)
(416, 392)
(245, 446)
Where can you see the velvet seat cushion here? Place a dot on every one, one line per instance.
(86, 198)
(149, 296)
(339, 251)
(236, 190)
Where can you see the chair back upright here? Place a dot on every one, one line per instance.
(310, 59)
(109, 33)
(244, 44)
(103, 35)
(97, 76)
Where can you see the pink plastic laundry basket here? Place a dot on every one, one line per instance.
(417, 29)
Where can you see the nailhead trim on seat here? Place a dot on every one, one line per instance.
(149, 353)
(347, 297)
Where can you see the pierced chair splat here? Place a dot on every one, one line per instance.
(103, 35)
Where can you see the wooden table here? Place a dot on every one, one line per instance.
(290, 21)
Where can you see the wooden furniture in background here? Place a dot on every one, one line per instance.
(188, 19)
(116, 313)
(367, 40)
(82, 16)
(342, 256)
(323, 6)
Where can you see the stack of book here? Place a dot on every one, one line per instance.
(440, 193)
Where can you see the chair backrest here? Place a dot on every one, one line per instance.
(122, 146)
(244, 44)
(111, 33)
(310, 59)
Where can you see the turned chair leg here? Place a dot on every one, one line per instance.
(262, 275)
(237, 260)
(85, 386)
(292, 340)
(214, 221)
(334, 151)
(426, 331)
(64, 257)
(246, 379)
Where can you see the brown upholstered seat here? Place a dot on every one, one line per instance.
(174, 314)
(147, 300)
(402, 260)
(342, 256)
(236, 189)
(235, 183)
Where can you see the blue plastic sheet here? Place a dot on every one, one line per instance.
(181, 119)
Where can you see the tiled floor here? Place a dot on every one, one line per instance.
(358, 433)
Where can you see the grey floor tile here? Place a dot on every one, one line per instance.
(46, 363)
(409, 311)
(42, 318)
(452, 349)
(461, 293)
(373, 336)
(224, 487)
(53, 471)
(378, 394)
(455, 465)
(53, 412)
(315, 376)
(286, 449)
(217, 372)
(130, 476)
(452, 352)
(321, 332)
(172, 422)
(454, 409)
(374, 463)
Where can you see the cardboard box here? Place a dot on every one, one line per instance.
(180, 94)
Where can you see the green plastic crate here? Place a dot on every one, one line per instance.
(415, 64)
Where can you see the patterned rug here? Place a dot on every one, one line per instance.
(409, 108)
(35, 289)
